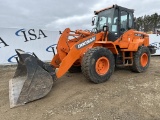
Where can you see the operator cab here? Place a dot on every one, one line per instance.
(118, 20)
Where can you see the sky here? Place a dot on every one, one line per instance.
(61, 14)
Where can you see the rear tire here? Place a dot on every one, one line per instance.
(98, 64)
(141, 59)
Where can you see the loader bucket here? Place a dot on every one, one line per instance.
(33, 80)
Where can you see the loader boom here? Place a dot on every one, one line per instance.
(72, 50)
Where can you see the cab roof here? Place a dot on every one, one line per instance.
(114, 6)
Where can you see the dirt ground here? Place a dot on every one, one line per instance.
(126, 96)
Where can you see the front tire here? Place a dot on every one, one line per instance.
(98, 64)
(141, 59)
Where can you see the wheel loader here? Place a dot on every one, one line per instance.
(112, 42)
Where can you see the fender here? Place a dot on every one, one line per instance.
(107, 44)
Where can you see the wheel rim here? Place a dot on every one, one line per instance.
(144, 59)
(102, 65)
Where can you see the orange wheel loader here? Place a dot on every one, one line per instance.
(112, 42)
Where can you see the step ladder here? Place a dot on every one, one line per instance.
(128, 58)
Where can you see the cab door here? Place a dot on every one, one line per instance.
(126, 21)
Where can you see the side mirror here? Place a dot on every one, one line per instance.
(93, 20)
(105, 28)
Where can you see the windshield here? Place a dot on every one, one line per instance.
(106, 18)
